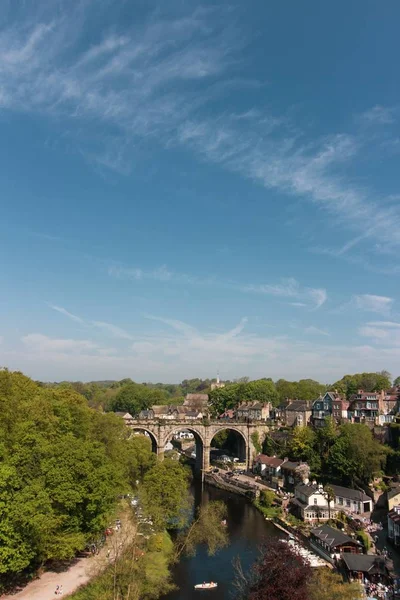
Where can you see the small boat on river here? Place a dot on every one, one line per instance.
(206, 586)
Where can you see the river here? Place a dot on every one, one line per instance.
(247, 529)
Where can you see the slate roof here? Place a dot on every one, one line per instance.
(298, 405)
(123, 414)
(248, 405)
(366, 563)
(290, 466)
(343, 492)
(307, 489)
(393, 492)
(332, 537)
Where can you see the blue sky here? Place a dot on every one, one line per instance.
(193, 187)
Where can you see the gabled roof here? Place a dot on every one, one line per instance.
(366, 563)
(350, 493)
(332, 537)
(308, 489)
(229, 412)
(255, 404)
(124, 415)
(298, 405)
(270, 461)
(202, 397)
(161, 409)
(290, 465)
(333, 395)
(193, 413)
(393, 492)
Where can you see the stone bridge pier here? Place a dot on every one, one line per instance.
(162, 431)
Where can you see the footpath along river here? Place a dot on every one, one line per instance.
(247, 529)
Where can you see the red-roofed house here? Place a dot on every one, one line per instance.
(269, 467)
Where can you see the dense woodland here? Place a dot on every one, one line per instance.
(130, 396)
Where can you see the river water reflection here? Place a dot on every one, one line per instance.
(247, 529)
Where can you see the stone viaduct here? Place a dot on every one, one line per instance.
(162, 431)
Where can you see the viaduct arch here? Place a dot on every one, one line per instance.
(162, 431)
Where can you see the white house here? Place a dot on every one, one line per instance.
(351, 500)
(394, 525)
(311, 502)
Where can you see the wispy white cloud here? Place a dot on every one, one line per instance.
(183, 350)
(384, 324)
(379, 115)
(115, 331)
(64, 312)
(43, 343)
(372, 303)
(161, 273)
(285, 288)
(315, 330)
(290, 288)
(179, 326)
(152, 81)
(382, 332)
(109, 328)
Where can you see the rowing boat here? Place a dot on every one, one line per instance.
(206, 586)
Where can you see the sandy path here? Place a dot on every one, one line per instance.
(78, 573)
(43, 589)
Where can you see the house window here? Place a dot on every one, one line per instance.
(340, 501)
(315, 500)
(347, 502)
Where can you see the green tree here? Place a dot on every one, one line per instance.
(267, 498)
(325, 584)
(165, 495)
(255, 438)
(302, 447)
(369, 382)
(62, 467)
(305, 389)
(134, 397)
(356, 455)
(206, 528)
(330, 495)
(262, 390)
(326, 437)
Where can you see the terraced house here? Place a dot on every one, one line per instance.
(331, 404)
(255, 411)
